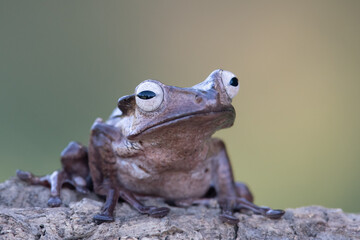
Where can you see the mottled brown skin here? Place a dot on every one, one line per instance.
(166, 152)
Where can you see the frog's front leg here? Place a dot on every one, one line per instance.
(233, 196)
(102, 162)
(75, 172)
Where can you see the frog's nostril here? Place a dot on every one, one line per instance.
(198, 98)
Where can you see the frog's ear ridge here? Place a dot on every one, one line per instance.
(126, 104)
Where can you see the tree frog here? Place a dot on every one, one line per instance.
(158, 143)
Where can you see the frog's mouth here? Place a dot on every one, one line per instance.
(227, 114)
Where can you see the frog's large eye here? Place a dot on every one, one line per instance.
(231, 83)
(149, 96)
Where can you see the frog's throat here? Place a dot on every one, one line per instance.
(169, 121)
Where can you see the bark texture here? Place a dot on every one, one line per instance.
(24, 215)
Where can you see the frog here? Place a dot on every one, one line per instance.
(158, 143)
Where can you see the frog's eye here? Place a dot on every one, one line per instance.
(149, 96)
(231, 83)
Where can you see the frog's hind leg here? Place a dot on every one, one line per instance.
(75, 172)
(75, 165)
(233, 196)
(242, 203)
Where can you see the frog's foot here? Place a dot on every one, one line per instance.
(112, 196)
(74, 173)
(227, 217)
(107, 211)
(242, 203)
(54, 181)
(54, 201)
(32, 179)
(229, 205)
(100, 218)
(156, 212)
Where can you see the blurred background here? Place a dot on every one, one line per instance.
(296, 138)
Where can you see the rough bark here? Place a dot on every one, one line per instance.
(25, 215)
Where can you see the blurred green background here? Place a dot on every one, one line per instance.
(297, 133)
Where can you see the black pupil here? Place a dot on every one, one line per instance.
(234, 82)
(146, 94)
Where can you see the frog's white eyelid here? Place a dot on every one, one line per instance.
(149, 96)
(231, 83)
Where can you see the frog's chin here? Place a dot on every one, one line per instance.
(214, 119)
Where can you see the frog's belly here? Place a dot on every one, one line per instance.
(169, 185)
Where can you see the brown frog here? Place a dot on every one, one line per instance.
(158, 143)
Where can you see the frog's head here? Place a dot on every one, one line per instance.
(157, 109)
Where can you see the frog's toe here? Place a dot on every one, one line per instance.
(230, 219)
(54, 202)
(25, 176)
(100, 218)
(274, 213)
(159, 212)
